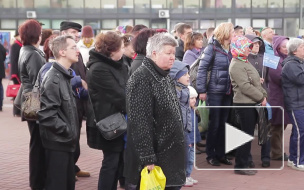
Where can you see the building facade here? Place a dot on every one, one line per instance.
(285, 16)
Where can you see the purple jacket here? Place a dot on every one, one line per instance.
(275, 96)
(191, 55)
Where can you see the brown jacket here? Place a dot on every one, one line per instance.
(246, 83)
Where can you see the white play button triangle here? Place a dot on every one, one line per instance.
(235, 138)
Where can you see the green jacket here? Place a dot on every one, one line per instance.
(246, 83)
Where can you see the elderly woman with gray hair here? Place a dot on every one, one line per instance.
(293, 89)
(155, 128)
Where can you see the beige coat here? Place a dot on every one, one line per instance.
(246, 83)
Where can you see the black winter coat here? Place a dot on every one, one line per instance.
(136, 63)
(2, 59)
(293, 83)
(30, 62)
(106, 82)
(219, 77)
(14, 56)
(179, 54)
(58, 119)
(155, 129)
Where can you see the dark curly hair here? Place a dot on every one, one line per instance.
(108, 42)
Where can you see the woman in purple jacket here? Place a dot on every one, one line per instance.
(275, 98)
(193, 47)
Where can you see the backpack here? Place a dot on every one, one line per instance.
(194, 69)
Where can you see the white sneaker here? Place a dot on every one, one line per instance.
(188, 183)
(298, 167)
(193, 180)
(290, 163)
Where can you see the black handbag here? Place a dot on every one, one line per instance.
(112, 126)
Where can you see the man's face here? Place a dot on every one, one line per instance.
(72, 32)
(239, 32)
(186, 32)
(72, 51)
(268, 34)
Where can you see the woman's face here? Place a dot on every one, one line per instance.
(129, 51)
(283, 48)
(198, 43)
(255, 47)
(116, 56)
(164, 58)
(300, 52)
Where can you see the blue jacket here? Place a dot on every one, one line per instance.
(183, 94)
(190, 56)
(219, 78)
(293, 83)
(268, 48)
(194, 119)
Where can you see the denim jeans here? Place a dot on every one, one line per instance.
(190, 161)
(1, 94)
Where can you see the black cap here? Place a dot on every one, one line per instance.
(64, 25)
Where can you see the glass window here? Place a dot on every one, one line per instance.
(191, 6)
(108, 24)
(75, 4)
(158, 23)
(108, 6)
(192, 23)
(92, 4)
(176, 6)
(208, 6)
(292, 6)
(142, 21)
(58, 4)
(291, 26)
(243, 6)
(125, 6)
(223, 5)
(275, 23)
(244, 22)
(259, 6)
(56, 24)
(258, 23)
(218, 22)
(205, 24)
(42, 4)
(124, 22)
(275, 5)
(8, 24)
(46, 23)
(94, 23)
(8, 4)
(158, 4)
(142, 6)
(25, 3)
(21, 21)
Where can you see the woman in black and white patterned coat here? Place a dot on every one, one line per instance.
(155, 128)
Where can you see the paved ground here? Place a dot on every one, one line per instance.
(14, 140)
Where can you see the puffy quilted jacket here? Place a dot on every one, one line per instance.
(219, 76)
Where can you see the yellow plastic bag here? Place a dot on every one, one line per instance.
(155, 180)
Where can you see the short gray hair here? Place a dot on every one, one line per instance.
(158, 41)
(293, 44)
(59, 43)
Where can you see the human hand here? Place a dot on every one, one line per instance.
(261, 80)
(150, 167)
(203, 96)
(84, 84)
(264, 102)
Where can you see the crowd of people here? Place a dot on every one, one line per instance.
(143, 74)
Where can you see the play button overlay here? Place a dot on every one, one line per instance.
(235, 138)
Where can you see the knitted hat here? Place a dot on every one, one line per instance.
(193, 92)
(87, 32)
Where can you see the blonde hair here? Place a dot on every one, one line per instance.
(222, 32)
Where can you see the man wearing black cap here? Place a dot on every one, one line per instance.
(73, 29)
(14, 56)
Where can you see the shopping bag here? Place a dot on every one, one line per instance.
(204, 114)
(12, 89)
(155, 180)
